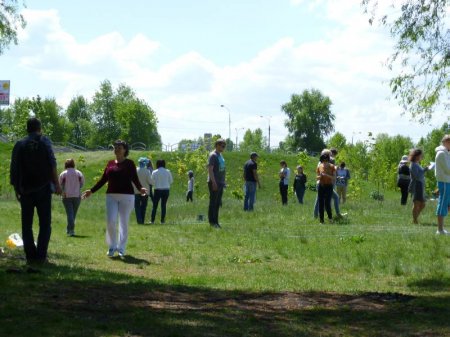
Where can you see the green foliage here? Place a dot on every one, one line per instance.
(54, 123)
(303, 159)
(421, 57)
(14, 118)
(309, 120)
(10, 22)
(79, 115)
(337, 141)
(106, 126)
(376, 195)
(253, 141)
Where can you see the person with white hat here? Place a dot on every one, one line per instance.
(403, 179)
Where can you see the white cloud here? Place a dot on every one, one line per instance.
(187, 91)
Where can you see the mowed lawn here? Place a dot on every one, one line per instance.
(273, 272)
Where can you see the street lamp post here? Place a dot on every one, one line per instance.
(268, 119)
(237, 130)
(229, 120)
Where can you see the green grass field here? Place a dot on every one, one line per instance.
(273, 272)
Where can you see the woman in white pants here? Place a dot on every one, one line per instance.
(119, 174)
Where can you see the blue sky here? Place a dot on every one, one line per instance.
(186, 58)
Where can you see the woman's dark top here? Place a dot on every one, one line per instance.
(119, 177)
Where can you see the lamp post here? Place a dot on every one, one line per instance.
(229, 120)
(237, 130)
(268, 119)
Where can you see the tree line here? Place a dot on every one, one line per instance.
(109, 115)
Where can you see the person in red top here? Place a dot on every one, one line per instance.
(119, 174)
(326, 176)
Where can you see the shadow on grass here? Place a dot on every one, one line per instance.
(433, 284)
(64, 301)
(129, 259)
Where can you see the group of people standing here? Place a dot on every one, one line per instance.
(33, 174)
(328, 176)
(411, 180)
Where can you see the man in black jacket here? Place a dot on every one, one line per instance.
(34, 177)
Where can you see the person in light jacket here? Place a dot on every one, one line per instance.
(161, 181)
(71, 181)
(442, 171)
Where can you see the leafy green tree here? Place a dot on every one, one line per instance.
(337, 141)
(253, 141)
(385, 154)
(54, 123)
(421, 57)
(10, 22)
(13, 119)
(357, 159)
(79, 116)
(309, 120)
(106, 126)
(137, 121)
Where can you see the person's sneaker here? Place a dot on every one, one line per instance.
(121, 253)
(216, 225)
(71, 233)
(442, 232)
(110, 252)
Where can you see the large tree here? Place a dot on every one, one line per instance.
(14, 118)
(10, 22)
(253, 141)
(79, 116)
(107, 128)
(421, 58)
(137, 120)
(309, 120)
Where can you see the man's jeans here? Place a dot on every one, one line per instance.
(140, 207)
(71, 206)
(215, 201)
(250, 194)
(42, 201)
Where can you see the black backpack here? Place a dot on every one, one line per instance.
(34, 164)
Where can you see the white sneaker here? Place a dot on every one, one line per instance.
(121, 253)
(442, 232)
(110, 252)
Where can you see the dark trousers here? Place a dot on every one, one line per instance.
(42, 201)
(324, 195)
(158, 195)
(140, 207)
(215, 201)
(189, 196)
(71, 206)
(300, 193)
(284, 193)
(404, 191)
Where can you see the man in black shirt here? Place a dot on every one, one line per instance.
(251, 180)
(216, 181)
(33, 175)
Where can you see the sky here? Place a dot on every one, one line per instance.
(201, 64)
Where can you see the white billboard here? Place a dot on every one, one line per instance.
(4, 92)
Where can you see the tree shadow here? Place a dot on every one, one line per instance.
(433, 284)
(68, 301)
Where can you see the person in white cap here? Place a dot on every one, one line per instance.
(403, 179)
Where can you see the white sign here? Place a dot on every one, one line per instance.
(4, 92)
